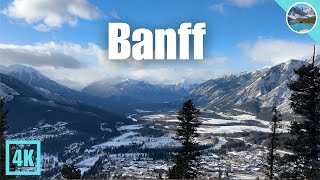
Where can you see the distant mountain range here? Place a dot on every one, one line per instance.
(140, 91)
(71, 124)
(32, 107)
(300, 12)
(41, 108)
(113, 94)
(254, 91)
(37, 102)
(34, 78)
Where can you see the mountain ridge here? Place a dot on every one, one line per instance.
(139, 90)
(254, 91)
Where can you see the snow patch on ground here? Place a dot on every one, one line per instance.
(230, 129)
(132, 118)
(89, 161)
(221, 142)
(83, 170)
(119, 141)
(130, 127)
(153, 117)
(172, 120)
(86, 164)
(131, 138)
(243, 117)
(163, 141)
(244, 176)
(142, 111)
(105, 129)
(210, 121)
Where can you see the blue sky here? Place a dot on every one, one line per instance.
(236, 33)
(302, 5)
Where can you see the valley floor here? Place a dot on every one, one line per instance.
(232, 146)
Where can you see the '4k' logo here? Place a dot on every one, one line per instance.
(26, 161)
(26, 157)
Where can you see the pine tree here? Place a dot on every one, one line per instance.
(3, 129)
(186, 162)
(69, 171)
(304, 143)
(272, 145)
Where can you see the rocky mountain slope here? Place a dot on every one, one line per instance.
(300, 12)
(56, 117)
(34, 78)
(255, 91)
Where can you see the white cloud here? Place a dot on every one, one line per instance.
(274, 51)
(67, 63)
(220, 8)
(115, 15)
(66, 55)
(192, 72)
(245, 3)
(76, 66)
(37, 58)
(44, 15)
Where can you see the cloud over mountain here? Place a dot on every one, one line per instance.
(37, 58)
(274, 51)
(76, 66)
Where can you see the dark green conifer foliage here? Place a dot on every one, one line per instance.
(304, 163)
(272, 157)
(3, 129)
(186, 162)
(69, 171)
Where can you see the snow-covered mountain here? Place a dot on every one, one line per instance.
(309, 11)
(140, 91)
(300, 12)
(87, 135)
(2, 68)
(34, 78)
(255, 91)
(7, 93)
(56, 117)
(118, 95)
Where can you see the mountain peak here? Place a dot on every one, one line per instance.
(22, 71)
(33, 77)
(21, 68)
(130, 80)
(2, 68)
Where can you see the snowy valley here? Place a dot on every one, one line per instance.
(110, 131)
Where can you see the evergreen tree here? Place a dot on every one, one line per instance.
(69, 171)
(304, 143)
(3, 129)
(186, 162)
(273, 138)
